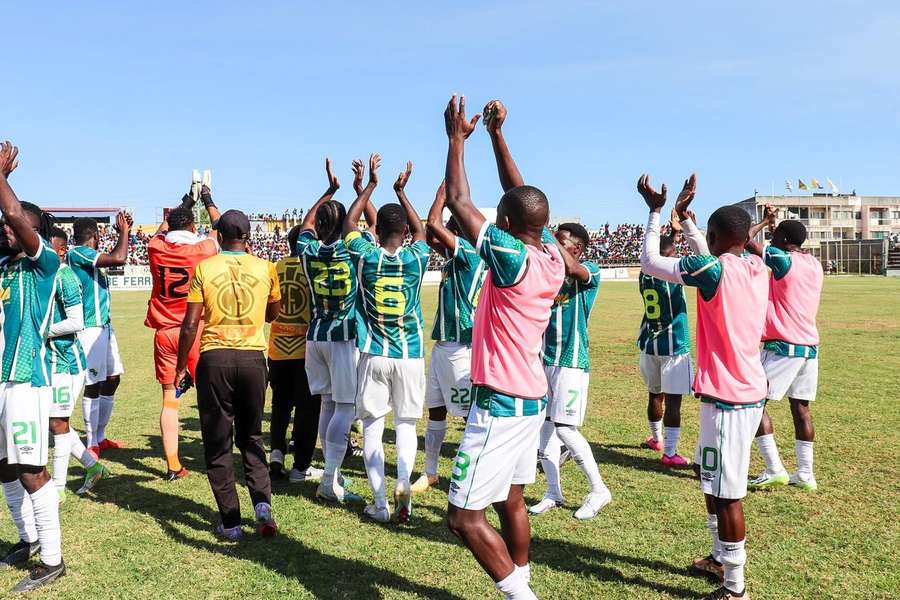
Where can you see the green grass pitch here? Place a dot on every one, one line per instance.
(138, 537)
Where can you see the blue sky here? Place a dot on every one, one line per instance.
(114, 104)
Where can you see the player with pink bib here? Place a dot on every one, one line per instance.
(496, 456)
(730, 381)
(790, 348)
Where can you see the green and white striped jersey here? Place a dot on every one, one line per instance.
(331, 274)
(566, 338)
(461, 279)
(66, 352)
(94, 285)
(664, 326)
(390, 312)
(26, 289)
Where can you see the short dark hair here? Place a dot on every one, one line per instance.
(59, 233)
(180, 219)
(292, 237)
(526, 207)
(329, 219)
(794, 231)
(392, 219)
(83, 228)
(666, 242)
(732, 222)
(576, 230)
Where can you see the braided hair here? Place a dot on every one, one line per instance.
(329, 220)
(45, 219)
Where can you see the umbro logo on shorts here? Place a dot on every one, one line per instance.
(26, 449)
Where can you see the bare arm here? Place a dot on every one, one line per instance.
(494, 116)
(309, 221)
(574, 268)
(459, 199)
(369, 211)
(351, 221)
(186, 338)
(412, 217)
(439, 237)
(119, 254)
(769, 215)
(15, 217)
(272, 310)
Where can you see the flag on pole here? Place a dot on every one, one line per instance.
(815, 184)
(788, 186)
(834, 188)
(801, 185)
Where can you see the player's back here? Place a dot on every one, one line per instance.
(795, 289)
(461, 279)
(513, 312)
(331, 276)
(729, 327)
(173, 258)
(390, 299)
(94, 285)
(664, 325)
(287, 337)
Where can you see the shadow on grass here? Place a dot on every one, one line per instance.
(611, 454)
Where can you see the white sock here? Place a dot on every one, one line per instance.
(515, 586)
(407, 445)
(373, 456)
(435, 432)
(670, 443)
(549, 452)
(525, 570)
(79, 451)
(103, 416)
(336, 440)
(326, 411)
(20, 508)
(804, 452)
(582, 455)
(655, 429)
(733, 558)
(46, 519)
(712, 523)
(769, 451)
(61, 454)
(90, 408)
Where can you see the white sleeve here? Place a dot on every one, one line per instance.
(653, 263)
(73, 323)
(695, 238)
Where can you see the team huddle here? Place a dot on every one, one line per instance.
(347, 343)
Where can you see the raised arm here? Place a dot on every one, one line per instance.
(459, 199)
(652, 262)
(351, 221)
(769, 216)
(415, 223)
(119, 254)
(574, 268)
(685, 216)
(309, 221)
(439, 237)
(15, 217)
(494, 116)
(369, 212)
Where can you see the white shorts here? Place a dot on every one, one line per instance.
(390, 383)
(331, 369)
(668, 374)
(449, 384)
(567, 395)
(24, 423)
(66, 390)
(494, 454)
(792, 376)
(726, 436)
(102, 353)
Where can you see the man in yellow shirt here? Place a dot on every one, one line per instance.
(287, 372)
(237, 294)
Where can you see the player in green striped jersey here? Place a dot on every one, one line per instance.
(665, 361)
(331, 354)
(67, 365)
(104, 365)
(391, 371)
(449, 383)
(567, 365)
(26, 290)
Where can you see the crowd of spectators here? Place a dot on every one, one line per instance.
(619, 245)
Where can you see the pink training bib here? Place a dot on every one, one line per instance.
(794, 302)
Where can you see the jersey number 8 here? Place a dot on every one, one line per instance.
(651, 304)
